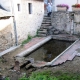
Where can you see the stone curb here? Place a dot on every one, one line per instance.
(9, 50)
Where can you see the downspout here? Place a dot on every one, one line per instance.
(72, 23)
(14, 23)
(15, 31)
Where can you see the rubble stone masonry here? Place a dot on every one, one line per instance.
(6, 40)
(66, 21)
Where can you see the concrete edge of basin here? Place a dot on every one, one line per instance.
(26, 52)
(9, 50)
(50, 63)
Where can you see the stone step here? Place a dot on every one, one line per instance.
(28, 65)
(44, 19)
(45, 24)
(42, 31)
(45, 27)
(42, 35)
(53, 29)
(56, 32)
(72, 56)
(47, 17)
(39, 64)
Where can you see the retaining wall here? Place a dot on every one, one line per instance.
(66, 21)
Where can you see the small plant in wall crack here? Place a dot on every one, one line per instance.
(27, 40)
(63, 5)
(37, 32)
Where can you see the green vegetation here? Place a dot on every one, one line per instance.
(7, 78)
(48, 75)
(37, 32)
(27, 40)
(24, 77)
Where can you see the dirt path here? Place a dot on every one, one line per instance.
(7, 60)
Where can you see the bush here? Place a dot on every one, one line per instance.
(76, 5)
(63, 5)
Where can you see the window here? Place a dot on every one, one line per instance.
(30, 8)
(18, 6)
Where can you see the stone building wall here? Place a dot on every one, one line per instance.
(66, 21)
(28, 24)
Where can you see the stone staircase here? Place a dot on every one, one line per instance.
(45, 27)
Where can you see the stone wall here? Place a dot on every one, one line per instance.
(76, 22)
(66, 21)
(6, 34)
(6, 40)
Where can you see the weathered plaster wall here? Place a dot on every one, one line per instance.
(28, 23)
(6, 40)
(6, 34)
(66, 21)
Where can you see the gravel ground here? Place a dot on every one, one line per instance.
(69, 66)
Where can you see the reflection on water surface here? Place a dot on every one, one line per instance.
(50, 50)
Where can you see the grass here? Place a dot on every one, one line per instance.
(7, 78)
(27, 40)
(48, 75)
